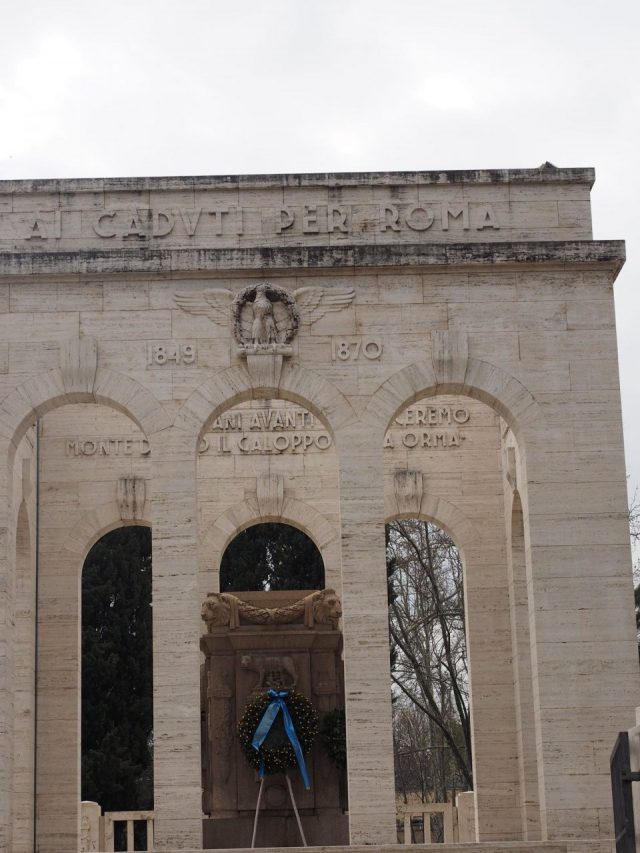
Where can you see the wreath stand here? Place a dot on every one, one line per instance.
(293, 803)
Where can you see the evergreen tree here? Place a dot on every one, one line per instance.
(117, 705)
(271, 556)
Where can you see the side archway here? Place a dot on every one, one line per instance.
(58, 730)
(459, 488)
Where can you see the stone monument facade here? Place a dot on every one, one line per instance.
(331, 351)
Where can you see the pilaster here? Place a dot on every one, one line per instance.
(366, 637)
(176, 636)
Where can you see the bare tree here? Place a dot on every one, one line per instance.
(634, 532)
(429, 665)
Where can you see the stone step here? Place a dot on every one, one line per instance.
(568, 846)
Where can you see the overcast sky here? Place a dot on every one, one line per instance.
(151, 87)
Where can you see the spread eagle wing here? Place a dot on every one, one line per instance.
(282, 319)
(214, 304)
(246, 321)
(315, 302)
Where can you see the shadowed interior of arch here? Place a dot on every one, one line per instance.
(117, 710)
(271, 556)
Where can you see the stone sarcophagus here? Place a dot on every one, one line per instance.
(255, 641)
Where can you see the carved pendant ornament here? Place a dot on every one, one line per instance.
(265, 317)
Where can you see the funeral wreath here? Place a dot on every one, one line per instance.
(266, 738)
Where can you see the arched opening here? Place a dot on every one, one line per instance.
(429, 673)
(269, 524)
(63, 485)
(446, 463)
(117, 693)
(271, 556)
(85, 452)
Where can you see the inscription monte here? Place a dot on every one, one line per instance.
(143, 223)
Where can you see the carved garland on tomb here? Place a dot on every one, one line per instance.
(322, 607)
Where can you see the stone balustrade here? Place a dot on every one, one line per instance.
(424, 811)
(99, 831)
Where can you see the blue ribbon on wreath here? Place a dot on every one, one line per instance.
(277, 704)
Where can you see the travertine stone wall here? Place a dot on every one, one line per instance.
(22, 753)
(398, 304)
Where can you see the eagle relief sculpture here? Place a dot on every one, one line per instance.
(265, 317)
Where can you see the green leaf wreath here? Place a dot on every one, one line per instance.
(333, 731)
(276, 752)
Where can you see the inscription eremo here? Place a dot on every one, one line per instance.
(432, 428)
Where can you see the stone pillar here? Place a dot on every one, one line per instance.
(521, 645)
(24, 688)
(6, 699)
(492, 703)
(366, 637)
(58, 696)
(176, 643)
(584, 652)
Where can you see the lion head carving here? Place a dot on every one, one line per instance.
(327, 608)
(216, 611)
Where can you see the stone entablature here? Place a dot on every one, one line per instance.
(332, 209)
